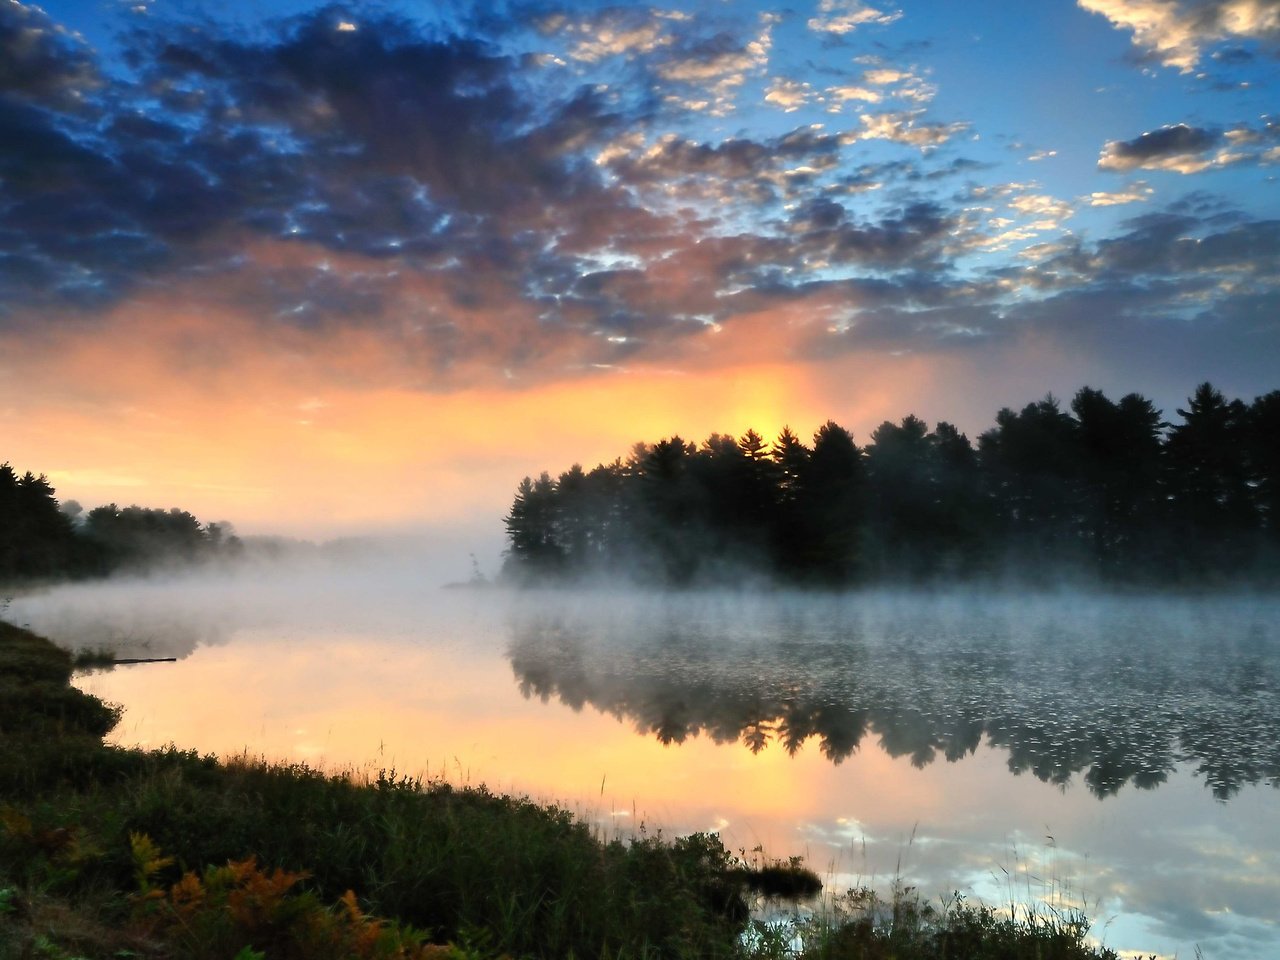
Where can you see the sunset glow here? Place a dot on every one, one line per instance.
(247, 259)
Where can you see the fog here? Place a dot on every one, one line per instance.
(1114, 689)
(355, 584)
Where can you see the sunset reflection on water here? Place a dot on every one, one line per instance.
(436, 692)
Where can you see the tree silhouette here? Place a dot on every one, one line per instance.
(1262, 453)
(1105, 490)
(36, 538)
(790, 535)
(904, 513)
(963, 513)
(834, 484)
(1120, 472)
(531, 529)
(1211, 505)
(1031, 460)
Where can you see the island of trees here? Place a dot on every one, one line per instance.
(42, 539)
(1105, 490)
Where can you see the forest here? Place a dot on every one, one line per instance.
(42, 539)
(1105, 491)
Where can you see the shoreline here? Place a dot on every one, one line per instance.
(102, 840)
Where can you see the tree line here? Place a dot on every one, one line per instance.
(1103, 490)
(41, 538)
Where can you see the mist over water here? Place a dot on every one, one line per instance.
(1119, 749)
(363, 585)
(1118, 689)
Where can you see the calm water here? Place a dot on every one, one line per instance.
(1117, 754)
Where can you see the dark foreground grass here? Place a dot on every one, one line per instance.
(114, 853)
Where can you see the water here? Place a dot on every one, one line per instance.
(1116, 754)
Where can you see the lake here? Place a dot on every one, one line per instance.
(1117, 754)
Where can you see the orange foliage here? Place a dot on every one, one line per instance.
(241, 904)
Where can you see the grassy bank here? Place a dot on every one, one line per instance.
(115, 853)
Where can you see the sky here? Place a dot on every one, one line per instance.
(320, 270)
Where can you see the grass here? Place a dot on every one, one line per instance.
(903, 926)
(116, 853)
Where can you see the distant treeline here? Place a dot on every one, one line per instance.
(1105, 491)
(43, 539)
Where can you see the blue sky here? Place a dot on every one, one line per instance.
(451, 198)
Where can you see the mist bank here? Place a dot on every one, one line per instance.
(1107, 493)
(1086, 687)
(378, 585)
(44, 541)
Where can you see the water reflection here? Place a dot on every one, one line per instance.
(1114, 691)
(353, 668)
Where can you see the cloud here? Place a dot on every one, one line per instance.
(40, 61)
(904, 127)
(733, 172)
(884, 76)
(614, 32)
(788, 95)
(1137, 192)
(904, 84)
(839, 96)
(840, 17)
(1185, 149)
(1184, 263)
(1176, 32)
(322, 179)
(1183, 292)
(1186, 249)
(440, 209)
(1178, 147)
(706, 72)
(824, 235)
(905, 329)
(379, 143)
(1003, 216)
(876, 85)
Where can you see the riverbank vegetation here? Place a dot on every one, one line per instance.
(44, 539)
(118, 853)
(1106, 491)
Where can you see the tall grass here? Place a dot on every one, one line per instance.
(863, 925)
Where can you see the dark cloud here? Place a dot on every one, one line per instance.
(39, 157)
(382, 99)
(822, 231)
(40, 62)
(418, 163)
(377, 140)
(737, 169)
(1167, 141)
(1179, 247)
(873, 176)
(472, 205)
(1172, 289)
(1177, 147)
(927, 329)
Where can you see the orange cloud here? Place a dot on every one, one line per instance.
(315, 432)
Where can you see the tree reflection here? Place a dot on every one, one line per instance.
(1103, 706)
